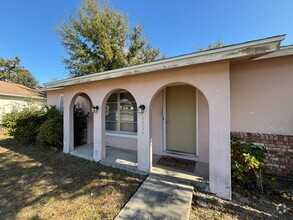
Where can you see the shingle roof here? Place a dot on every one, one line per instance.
(14, 89)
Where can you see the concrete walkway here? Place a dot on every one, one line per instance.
(159, 198)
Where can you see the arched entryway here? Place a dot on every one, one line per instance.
(180, 129)
(120, 117)
(81, 120)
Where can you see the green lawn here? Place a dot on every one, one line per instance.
(42, 183)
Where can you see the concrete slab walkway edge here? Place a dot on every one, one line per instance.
(159, 198)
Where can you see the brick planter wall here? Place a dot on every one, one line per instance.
(279, 160)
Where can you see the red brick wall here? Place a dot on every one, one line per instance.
(279, 158)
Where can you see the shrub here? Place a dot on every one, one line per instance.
(9, 121)
(24, 125)
(80, 125)
(247, 163)
(51, 131)
(44, 126)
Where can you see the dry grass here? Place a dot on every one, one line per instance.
(245, 205)
(42, 183)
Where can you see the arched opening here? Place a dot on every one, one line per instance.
(180, 130)
(120, 128)
(81, 118)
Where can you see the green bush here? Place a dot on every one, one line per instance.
(247, 163)
(80, 125)
(45, 126)
(51, 131)
(24, 125)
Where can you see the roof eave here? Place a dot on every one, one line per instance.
(43, 89)
(284, 51)
(252, 48)
(21, 96)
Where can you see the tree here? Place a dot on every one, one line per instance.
(99, 39)
(11, 70)
(217, 44)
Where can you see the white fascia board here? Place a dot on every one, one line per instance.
(49, 89)
(284, 51)
(234, 51)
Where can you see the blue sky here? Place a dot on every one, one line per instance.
(27, 28)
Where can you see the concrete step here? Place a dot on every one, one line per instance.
(131, 169)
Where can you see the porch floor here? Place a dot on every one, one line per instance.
(127, 160)
(84, 151)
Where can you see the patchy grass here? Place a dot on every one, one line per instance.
(42, 183)
(245, 205)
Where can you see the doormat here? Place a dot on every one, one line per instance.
(177, 163)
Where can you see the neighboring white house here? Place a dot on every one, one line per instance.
(16, 96)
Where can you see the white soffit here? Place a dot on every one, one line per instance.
(250, 48)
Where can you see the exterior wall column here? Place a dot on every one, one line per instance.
(68, 141)
(144, 147)
(99, 135)
(90, 128)
(219, 147)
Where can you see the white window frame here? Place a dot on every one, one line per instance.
(61, 103)
(118, 121)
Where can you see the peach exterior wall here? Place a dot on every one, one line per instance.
(129, 143)
(157, 125)
(203, 128)
(262, 96)
(157, 130)
(53, 97)
(122, 142)
(211, 79)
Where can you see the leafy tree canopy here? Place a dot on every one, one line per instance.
(98, 38)
(217, 44)
(12, 71)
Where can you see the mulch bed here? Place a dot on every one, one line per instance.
(177, 163)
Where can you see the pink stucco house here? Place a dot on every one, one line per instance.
(187, 106)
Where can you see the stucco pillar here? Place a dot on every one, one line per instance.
(144, 141)
(68, 144)
(90, 128)
(99, 136)
(219, 147)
